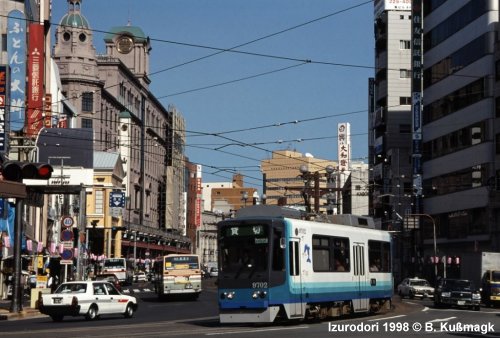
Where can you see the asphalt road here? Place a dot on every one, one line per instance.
(199, 318)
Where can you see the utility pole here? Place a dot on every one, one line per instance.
(17, 292)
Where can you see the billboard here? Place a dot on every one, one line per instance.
(391, 5)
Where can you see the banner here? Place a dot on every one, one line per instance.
(16, 53)
(34, 121)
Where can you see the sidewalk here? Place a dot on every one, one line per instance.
(26, 312)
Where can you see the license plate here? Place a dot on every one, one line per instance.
(189, 286)
(57, 300)
(461, 302)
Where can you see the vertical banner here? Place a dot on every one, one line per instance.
(198, 197)
(4, 97)
(344, 146)
(16, 53)
(417, 104)
(34, 121)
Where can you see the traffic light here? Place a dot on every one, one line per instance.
(17, 171)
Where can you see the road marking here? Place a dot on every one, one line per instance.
(425, 309)
(257, 330)
(441, 320)
(385, 318)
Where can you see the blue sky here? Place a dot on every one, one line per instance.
(266, 85)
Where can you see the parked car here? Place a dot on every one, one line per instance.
(457, 292)
(415, 287)
(140, 276)
(111, 278)
(86, 298)
(214, 272)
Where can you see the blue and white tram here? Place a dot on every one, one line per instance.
(274, 266)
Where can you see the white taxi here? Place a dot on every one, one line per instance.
(86, 298)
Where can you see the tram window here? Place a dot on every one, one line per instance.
(278, 252)
(379, 256)
(293, 248)
(330, 253)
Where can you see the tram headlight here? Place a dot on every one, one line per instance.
(257, 294)
(228, 295)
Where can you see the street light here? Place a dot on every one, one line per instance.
(244, 197)
(435, 245)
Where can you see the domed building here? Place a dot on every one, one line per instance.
(110, 95)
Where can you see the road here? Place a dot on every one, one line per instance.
(174, 318)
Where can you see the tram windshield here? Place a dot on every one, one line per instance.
(244, 250)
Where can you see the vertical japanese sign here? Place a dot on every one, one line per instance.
(344, 146)
(198, 196)
(16, 52)
(417, 69)
(47, 122)
(35, 80)
(4, 96)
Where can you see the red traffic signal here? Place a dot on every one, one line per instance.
(17, 171)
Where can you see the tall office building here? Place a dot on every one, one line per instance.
(461, 133)
(390, 115)
(390, 122)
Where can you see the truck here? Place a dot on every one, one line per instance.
(483, 268)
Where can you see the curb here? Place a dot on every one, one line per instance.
(23, 314)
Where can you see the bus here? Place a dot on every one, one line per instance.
(120, 267)
(178, 274)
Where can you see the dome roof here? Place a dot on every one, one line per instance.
(74, 19)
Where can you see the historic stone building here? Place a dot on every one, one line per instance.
(110, 94)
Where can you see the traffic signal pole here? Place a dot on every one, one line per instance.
(17, 291)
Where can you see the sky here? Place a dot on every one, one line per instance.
(252, 76)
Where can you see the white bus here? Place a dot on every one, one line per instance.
(120, 267)
(178, 274)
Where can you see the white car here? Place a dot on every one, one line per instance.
(415, 287)
(86, 298)
(214, 272)
(140, 277)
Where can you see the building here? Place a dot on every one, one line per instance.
(207, 193)
(461, 133)
(194, 199)
(284, 182)
(111, 94)
(228, 200)
(356, 190)
(390, 119)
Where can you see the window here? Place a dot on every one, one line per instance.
(99, 202)
(404, 44)
(86, 123)
(87, 101)
(405, 100)
(330, 254)
(405, 73)
(379, 256)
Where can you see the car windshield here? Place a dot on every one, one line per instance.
(72, 288)
(495, 276)
(459, 285)
(420, 282)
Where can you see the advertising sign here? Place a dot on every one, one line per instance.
(16, 53)
(344, 146)
(35, 80)
(4, 80)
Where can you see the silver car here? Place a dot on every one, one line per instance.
(86, 298)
